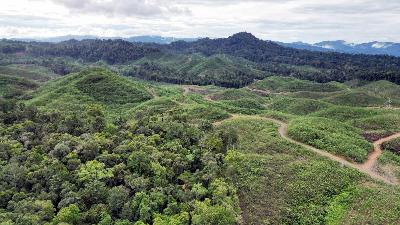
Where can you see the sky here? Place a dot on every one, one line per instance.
(309, 21)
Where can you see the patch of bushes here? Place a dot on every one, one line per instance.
(356, 98)
(291, 84)
(332, 136)
(393, 145)
(298, 106)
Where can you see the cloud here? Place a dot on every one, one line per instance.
(126, 8)
(282, 20)
(352, 7)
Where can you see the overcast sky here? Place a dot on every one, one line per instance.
(280, 20)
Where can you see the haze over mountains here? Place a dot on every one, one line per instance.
(142, 38)
(370, 48)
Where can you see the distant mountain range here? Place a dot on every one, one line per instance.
(371, 48)
(242, 48)
(143, 39)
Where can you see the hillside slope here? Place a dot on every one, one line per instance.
(220, 70)
(275, 58)
(97, 86)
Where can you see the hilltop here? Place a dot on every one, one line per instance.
(91, 86)
(267, 56)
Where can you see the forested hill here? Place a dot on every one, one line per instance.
(110, 51)
(276, 58)
(266, 55)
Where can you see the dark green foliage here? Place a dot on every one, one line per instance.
(393, 146)
(275, 59)
(111, 51)
(230, 62)
(61, 167)
(11, 47)
(220, 70)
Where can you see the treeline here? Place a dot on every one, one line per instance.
(110, 51)
(273, 57)
(269, 56)
(9, 47)
(231, 78)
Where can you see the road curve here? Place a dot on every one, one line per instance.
(365, 168)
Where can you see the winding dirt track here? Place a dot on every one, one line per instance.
(367, 168)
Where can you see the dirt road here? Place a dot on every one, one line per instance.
(366, 168)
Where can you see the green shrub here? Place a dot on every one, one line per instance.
(291, 84)
(387, 122)
(356, 98)
(298, 106)
(234, 94)
(393, 145)
(332, 136)
(345, 113)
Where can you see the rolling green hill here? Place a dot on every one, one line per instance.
(92, 86)
(11, 87)
(220, 70)
(291, 84)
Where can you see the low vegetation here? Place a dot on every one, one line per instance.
(291, 84)
(298, 106)
(356, 98)
(330, 135)
(393, 146)
(95, 86)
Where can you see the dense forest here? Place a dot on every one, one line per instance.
(78, 167)
(273, 57)
(266, 56)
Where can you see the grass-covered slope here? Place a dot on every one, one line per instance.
(12, 87)
(357, 98)
(234, 94)
(16, 81)
(330, 135)
(383, 88)
(298, 106)
(97, 86)
(27, 71)
(291, 84)
(282, 183)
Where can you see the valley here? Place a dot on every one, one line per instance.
(224, 131)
